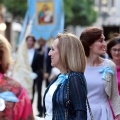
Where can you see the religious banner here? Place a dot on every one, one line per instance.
(22, 69)
(47, 18)
(45, 13)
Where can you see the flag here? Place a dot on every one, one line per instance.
(22, 69)
(48, 18)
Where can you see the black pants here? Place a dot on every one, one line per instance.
(38, 84)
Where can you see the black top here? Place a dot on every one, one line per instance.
(37, 64)
(76, 108)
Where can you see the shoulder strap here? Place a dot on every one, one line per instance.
(91, 115)
(67, 103)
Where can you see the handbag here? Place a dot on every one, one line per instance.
(68, 101)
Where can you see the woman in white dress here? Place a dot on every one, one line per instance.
(100, 76)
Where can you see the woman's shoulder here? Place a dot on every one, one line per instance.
(11, 85)
(110, 63)
(12, 81)
(73, 73)
(77, 76)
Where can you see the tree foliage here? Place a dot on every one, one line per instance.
(16, 7)
(79, 12)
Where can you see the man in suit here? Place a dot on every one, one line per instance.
(36, 62)
(44, 50)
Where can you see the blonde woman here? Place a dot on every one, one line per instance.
(14, 101)
(65, 97)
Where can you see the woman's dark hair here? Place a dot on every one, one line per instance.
(89, 36)
(30, 36)
(114, 41)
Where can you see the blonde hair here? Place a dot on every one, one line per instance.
(5, 54)
(72, 55)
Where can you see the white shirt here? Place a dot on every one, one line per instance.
(49, 96)
(31, 53)
(48, 101)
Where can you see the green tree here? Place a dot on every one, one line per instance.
(79, 12)
(16, 7)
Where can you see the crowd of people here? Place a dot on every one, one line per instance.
(81, 85)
